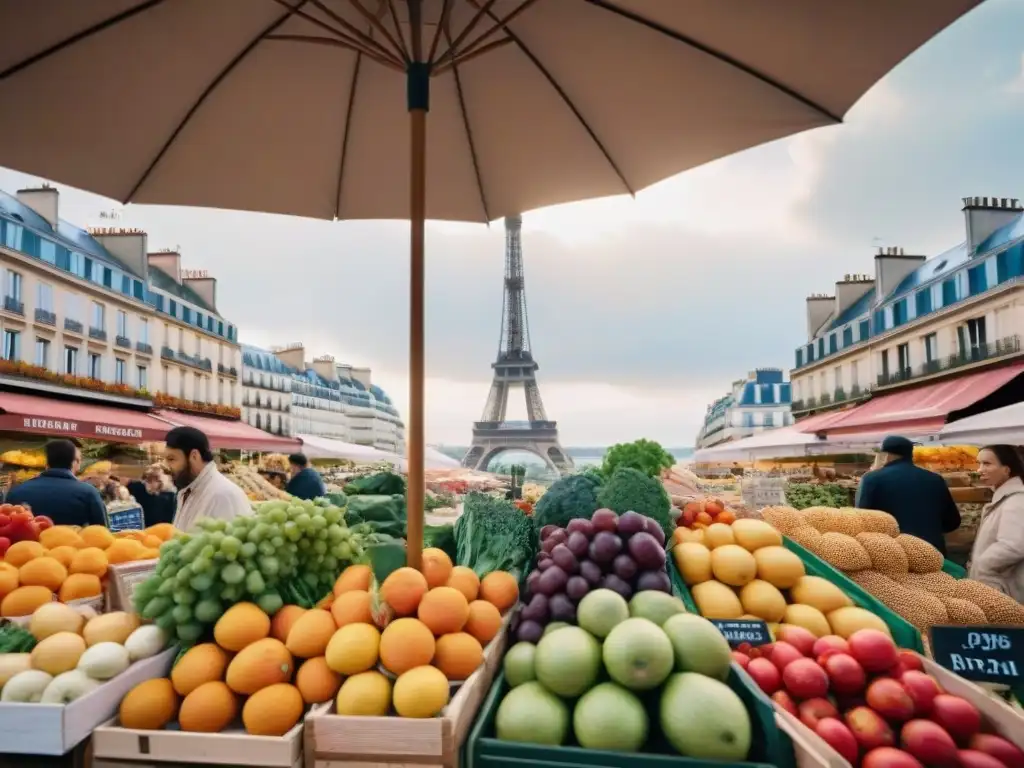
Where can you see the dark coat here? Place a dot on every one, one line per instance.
(62, 497)
(307, 484)
(156, 508)
(918, 499)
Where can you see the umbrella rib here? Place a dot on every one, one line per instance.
(481, 10)
(474, 48)
(360, 35)
(78, 37)
(469, 135)
(391, 63)
(716, 54)
(348, 129)
(206, 94)
(566, 100)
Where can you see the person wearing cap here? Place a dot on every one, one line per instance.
(305, 482)
(919, 500)
(202, 490)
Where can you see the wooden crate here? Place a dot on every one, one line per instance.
(334, 741)
(972, 495)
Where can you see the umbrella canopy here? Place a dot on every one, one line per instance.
(1003, 425)
(319, 107)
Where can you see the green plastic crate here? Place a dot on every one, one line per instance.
(769, 747)
(955, 570)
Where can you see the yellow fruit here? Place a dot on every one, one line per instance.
(684, 535)
(43, 572)
(693, 561)
(352, 607)
(273, 711)
(63, 554)
(201, 664)
(123, 551)
(778, 566)
(23, 601)
(753, 534)
(763, 600)
(149, 706)
(283, 621)
(353, 648)
(355, 577)
(718, 535)
(210, 708)
(809, 618)
(405, 644)
(80, 586)
(89, 560)
(715, 600)
(263, 663)
(458, 655)
(242, 624)
(367, 694)
(8, 581)
(311, 633)
(733, 565)
(51, 618)
(437, 567)
(58, 653)
(316, 681)
(819, 593)
(60, 536)
(420, 692)
(163, 531)
(110, 628)
(845, 621)
(20, 552)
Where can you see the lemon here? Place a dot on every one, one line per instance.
(421, 692)
(367, 694)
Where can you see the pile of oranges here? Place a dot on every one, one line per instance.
(70, 563)
(700, 514)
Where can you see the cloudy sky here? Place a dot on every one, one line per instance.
(641, 311)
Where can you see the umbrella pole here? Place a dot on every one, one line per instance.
(418, 96)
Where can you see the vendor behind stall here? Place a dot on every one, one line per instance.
(155, 494)
(57, 493)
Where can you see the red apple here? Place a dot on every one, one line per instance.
(911, 660)
(801, 639)
(745, 648)
(1006, 752)
(741, 658)
(890, 699)
(839, 737)
(805, 679)
(829, 643)
(783, 654)
(956, 715)
(845, 674)
(972, 758)
(870, 730)
(784, 700)
(896, 670)
(765, 674)
(929, 743)
(874, 649)
(887, 757)
(813, 711)
(922, 689)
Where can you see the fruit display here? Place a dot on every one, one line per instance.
(804, 495)
(74, 652)
(700, 513)
(947, 458)
(624, 554)
(255, 485)
(901, 571)
(624, 681)
(70, 564)
(27, 459)
(17, 523)
(874, 704)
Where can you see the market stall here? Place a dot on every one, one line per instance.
(1002, 425)
(316, 447)
(228, 434)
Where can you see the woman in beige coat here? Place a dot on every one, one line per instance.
(997, 558)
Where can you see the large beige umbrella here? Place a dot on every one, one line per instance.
(319, 107)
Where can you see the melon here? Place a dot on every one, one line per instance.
(104, 661)
(264, 663)
(53, 617)
(819, 593)
(715, 600)
(149, 706)
(110, 628)
(273, 711)
(761, 599)
(809, 618)
(778, 566)
(846, 621)
(201, 663)
(58, 653)
(693, 561)
(753, 534)
(733, 565)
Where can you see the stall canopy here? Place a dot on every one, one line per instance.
(779, 443)
(434, 459)
(231, 435)
(47, 416)
(921, 410)
(327, 448)
(1003, 425)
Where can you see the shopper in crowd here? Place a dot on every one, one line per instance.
(918, 499)
(997, 558)
(57, 494)
(277, 479)
(202, 490)
(305, 482)
(155, 494)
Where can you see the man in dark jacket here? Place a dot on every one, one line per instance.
(306, 482)
(57, 493)
(918, 499)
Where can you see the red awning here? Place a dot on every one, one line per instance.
(48, 416)
(818, 423)
(235, 435)
(921, 410)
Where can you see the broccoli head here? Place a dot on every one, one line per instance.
(567, 499)
(630, 489)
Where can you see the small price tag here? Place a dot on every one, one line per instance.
(738, 631)
(982, 654)
(126, 520)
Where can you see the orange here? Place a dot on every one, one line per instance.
(311, 633)
(352, 608)
(265, 662)
(43, 572)
(501, 589)
(60, 535)
(458, 655)
(353, 577)
(282, 622)
(89, 560)
(403, 589)
(209, 708)
(23, 601)
(316, 681)
(443, 610)
(123, 551)
(163, 531)
(149, 541)
(484, 621)
(466, 581)
(79, 586)
(8, 581)
(96, 536)
(20, 552)
(149, 706)
(406, 644)
(63, 554)
(437, 567)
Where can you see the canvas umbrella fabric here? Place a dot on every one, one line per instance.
(319, 107)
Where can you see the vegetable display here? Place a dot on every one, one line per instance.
(803, 495)
(647, 456)
(568, 498)
(379, 484)
(630, 489)
(493, 534)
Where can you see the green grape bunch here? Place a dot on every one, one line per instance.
(286, 551)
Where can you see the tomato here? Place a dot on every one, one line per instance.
(5, 544)
(5, 520)
(43, 522)
(23, 515)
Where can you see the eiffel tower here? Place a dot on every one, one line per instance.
(515, 366)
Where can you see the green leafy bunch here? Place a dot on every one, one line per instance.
(647, 456)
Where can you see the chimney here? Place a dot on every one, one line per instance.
(168, 261)
(891, 266)
(850, 289)
(819, 309)
(200, 282)
(982, 217)
(362, 375)
(127, 244)
(42, 200)
(293, 355)
(324, 365)
(343, 370)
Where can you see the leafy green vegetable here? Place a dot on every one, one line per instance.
(646, 456)
(493, 535)
(804, 495)
(380, 484)
(385, 514)
(442, 537)
(630, 489)
(568, 498)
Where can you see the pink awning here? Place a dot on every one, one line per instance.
(48, 416)
(234, 435)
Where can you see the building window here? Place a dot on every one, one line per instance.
(972, 338)
(821, 347)
(12, 345)
(837, 375)
(899, 313)
(854, 375)
(45, 297)
(865, 330)
(119, 371)
(143, 377)
(832, 344)
(799, 358)
(1010, 263)
(97, 316)
(885, 363)
(14, 284)
(977, 281)
(95, 366)
(848, 336)
(71, 361)
(903, 356)
(43, 353)
(948, 292)
(71, 306)
(144, 330)
(923, 302)
(122, 323)
(931, 348)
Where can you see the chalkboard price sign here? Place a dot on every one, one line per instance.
(981, 654)
(126, 520)
(738, 631)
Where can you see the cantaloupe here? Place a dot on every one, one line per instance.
(809, 618)
(693, 561)
(763, 600)
(819, 593)
(53, 617)
(58, 653)
(201, 664)
(272, 711)
(149, 706)
(715, 600)
(242, 624)
(718, 535)
(265, 662)
(753, 534)
(845, 621)
(110, 628)
(778, 566)
(733, 565)
(210, 708)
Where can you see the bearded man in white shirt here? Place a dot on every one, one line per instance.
(202, 490)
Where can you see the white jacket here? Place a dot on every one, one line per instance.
(997, 558)
(210, 495)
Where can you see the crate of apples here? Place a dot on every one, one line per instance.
(697, 515)
(875, 704)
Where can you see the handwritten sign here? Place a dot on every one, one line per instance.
(764, 492)
(739, 631)
(126, 520)
(982, 654)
